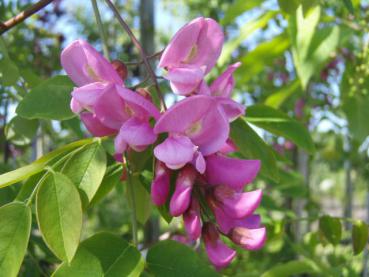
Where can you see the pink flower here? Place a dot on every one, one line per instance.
(197, 126)
(224, 84)
(161, 184)
(220, 255)
(181, 197)
(191, 54)
(192, 220)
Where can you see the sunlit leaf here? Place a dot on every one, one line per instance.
(331, 228)
(21, 131)
(360, 233)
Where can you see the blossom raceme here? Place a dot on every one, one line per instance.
(105, 106)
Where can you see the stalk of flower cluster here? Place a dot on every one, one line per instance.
(143, 55)
(101, 29)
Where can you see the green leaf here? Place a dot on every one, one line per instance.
(9, 72)
(237, 8)
(117, 257)
(142, 200)
(311, 46)
(59, 215)
(15, 228)
(349, 6)
(291, 268)
(251, 146)
(37, 166)
(169, 258)
(360, 233)
(83, 264)
(280, 124)
(245, 31)
(263, 55)
(289, 6)
(86, 170)
(277, 98)
(48, 100)
(331, 228)
(21, 131)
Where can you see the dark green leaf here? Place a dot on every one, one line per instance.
(237, 8)
(349, 6)
(83, 264)
(48, 100)
(290, 269)
(251, 146)
(15, 228)
(360, 233)
(9, 73)
(117, 257)
(331, 228)
(142, 200)
(289, 6)
(280, 124)
(169, 258)
(59, 215)
(21, 131)
(86, 170)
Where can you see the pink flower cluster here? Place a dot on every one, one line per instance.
(209, 187)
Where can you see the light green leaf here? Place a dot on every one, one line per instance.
(83, 264)
(276, 99)
(251, 146)
(331, 228)
(245, 31)
(360, 233)
(280, 124)
(37, 166)
(237, 8)
(21, 131)
(291, 268)
(86, 170)
(263, 55)
(9, 73)
(169, 258)
(349, 6)
(289, 6)
(15, 228)
(117, 257)
(59, 215)
(142, 200)
(48, 100)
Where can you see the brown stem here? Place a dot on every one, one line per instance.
(157, 54)
(7, 25)
(140, 49)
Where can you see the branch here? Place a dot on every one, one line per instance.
(140, 49)
(7, 25)
(157, 54)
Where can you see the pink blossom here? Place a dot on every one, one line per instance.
(192, 220)
(224, 84)
(161, 184)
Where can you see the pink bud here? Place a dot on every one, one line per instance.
(192, 221)
(181, 198)
(250, 239)
(161, 184)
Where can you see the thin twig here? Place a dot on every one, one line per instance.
(7, 25)
(140, 49)
(157, 54)
(101, 29)
(141, 83)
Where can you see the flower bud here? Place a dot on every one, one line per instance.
(192, 221)
(161, 184)
(250, 239)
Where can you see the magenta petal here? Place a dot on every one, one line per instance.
(182, 44)
(199, 162)
(85, 65)
(224, 84)
(120, 146)
(219, 254)
(228, 147)
(231, 109)
(192, 220)
(139, 105)
(75, 106)
(239, 205)
(88, 94)
(137, 134)
(250, 239)
(110, 109)
(94, 126)
(161, 184)
(185, 80)
(226, 223)
(181, 197)
(175, 151)
(236, 173)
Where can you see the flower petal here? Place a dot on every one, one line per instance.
(94, 126)
(231, 109)
(161, 184)
(85, 65)
(233, 172)
(192, 220)
(89, 94)
(224, 84)
(184, 80)
(250, 239)
(175, 151)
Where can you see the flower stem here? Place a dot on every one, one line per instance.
(131, 198)
(101, 29)
(140, 49)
